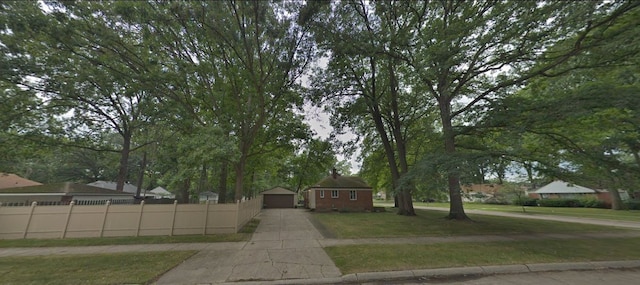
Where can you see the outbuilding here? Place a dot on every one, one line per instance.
(279, 197)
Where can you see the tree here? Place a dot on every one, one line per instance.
(365, 87)
(90, 67)
(468, 54)
(235, 65)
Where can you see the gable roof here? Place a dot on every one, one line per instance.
(337, 181)
(9, 180)
(561, 187)
(62, 188)
(278, 191)
(160, 191)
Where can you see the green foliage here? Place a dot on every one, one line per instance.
(584, 202)
(632, 205)
(559, 203)
(525, 202)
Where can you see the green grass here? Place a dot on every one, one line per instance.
(369, 258)
(432, 223)
(120, 268)
(607, 214)
(243, 235)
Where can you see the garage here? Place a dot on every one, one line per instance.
(278, 198)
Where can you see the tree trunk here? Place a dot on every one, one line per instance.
(616, 200)
(222, 191)
(202, 184)
(456, 209)
(183, 193)
(406, 207)
(143, 167)
(239, 186)
(124, 161)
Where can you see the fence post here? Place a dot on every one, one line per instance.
(140, 218)
(173, 219)
(206, 217)
(26, 228)
(104, 217)
(66, 223)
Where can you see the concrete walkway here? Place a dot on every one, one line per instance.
(287, 249)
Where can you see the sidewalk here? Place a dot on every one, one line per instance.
(287, 249)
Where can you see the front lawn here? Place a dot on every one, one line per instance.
(376, 258)
(432, 223)
(119, 268)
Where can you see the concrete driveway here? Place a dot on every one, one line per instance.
(284, 246)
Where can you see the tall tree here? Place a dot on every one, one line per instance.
(365, 86)
(91, 66)
(466, 54)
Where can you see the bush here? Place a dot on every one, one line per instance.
(593, 203)
(526, 202)
(633, 204)
(559, 203)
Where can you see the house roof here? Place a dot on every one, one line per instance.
(128, 188)
(9, 180)
(337, 181)
(62, 188)
(561, 187)
(160, 191)
(278, 191)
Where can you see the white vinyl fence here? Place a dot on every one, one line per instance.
(75, 221)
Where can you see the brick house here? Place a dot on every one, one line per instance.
(339, 193)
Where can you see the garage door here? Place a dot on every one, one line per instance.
(278, 201)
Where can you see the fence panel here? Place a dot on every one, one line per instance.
(73, 221)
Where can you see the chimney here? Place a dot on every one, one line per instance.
(334, 173)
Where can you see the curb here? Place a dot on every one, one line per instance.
(438, 273)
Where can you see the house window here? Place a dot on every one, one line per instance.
(353, 195)
(322, 194)
(334, 193)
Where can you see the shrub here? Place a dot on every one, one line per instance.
(559, 203)
(592, 203)
(525, 202)
(633, 204)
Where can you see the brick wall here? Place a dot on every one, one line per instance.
(363, 202)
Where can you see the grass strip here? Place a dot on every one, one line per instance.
(595, 213)
(243, 235)
(117, 268)
(433, 223)
(371, 258)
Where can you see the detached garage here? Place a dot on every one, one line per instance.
(279, 198)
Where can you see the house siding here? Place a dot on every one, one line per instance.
(364, 201)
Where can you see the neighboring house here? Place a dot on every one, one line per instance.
(128, 188)
(488, 189)
(160, 193)
(62, 194)
(8, 180)
(278, 197)
(208, 196)
(479, 192)
(564, 190)
(342, 193)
